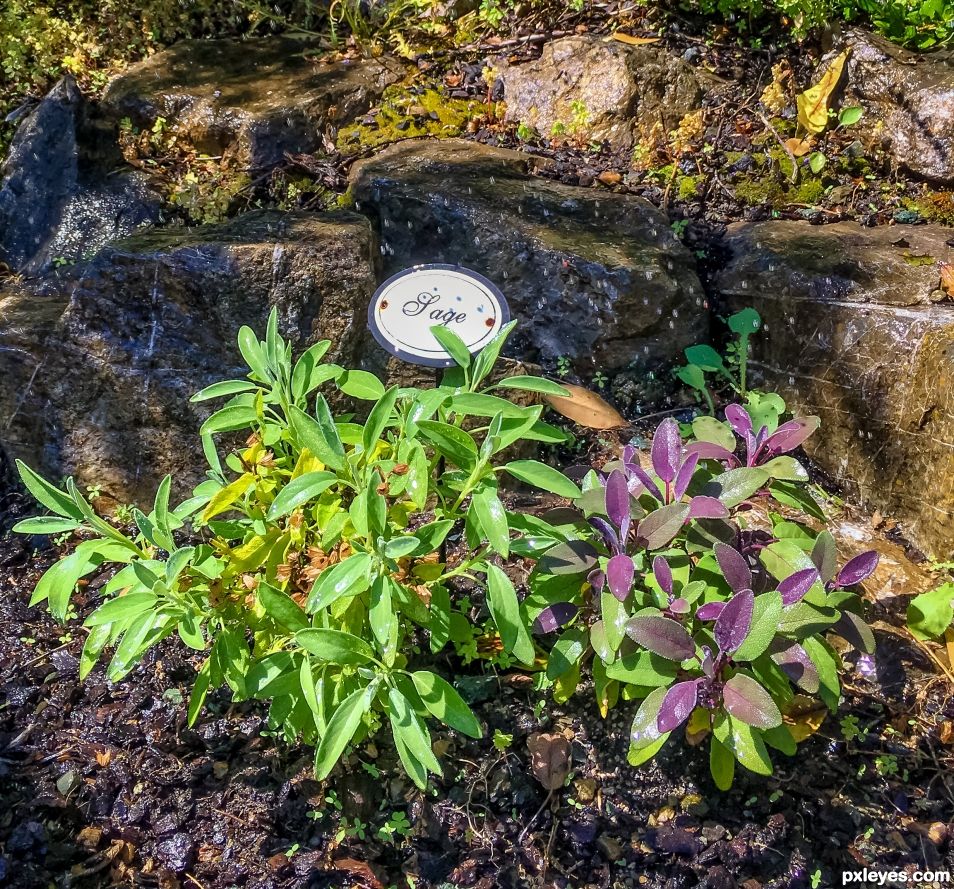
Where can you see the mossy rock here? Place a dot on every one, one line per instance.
(408, 115)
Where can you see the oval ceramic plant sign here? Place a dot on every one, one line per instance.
(410, 303)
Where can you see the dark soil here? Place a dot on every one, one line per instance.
(103, 784)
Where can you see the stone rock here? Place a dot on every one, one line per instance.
(98, 361)
(858, 332)
(254, 99)
(57, 202)
(594, 277)
(601, 90)
(909, 100)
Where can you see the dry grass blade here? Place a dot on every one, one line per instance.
(630, 40)
(586, 408)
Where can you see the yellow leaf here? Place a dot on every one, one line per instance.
(803, 717)
(586, 408)
(813, 103)
(633, 41)
(698, 726)
(228, 495)
(307, 462)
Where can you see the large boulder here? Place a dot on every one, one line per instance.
(593, 277)
(98, 361)
(909, 99)
(858, 331)
(252, 100)
(61, 196)
(588, 87)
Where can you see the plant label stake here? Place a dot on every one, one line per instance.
(410, 303)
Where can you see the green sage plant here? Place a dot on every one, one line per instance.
(315, 572)
(661, 580)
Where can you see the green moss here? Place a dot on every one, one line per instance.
(404, 115)
(689, 187)
(935, 206)
(759, 190)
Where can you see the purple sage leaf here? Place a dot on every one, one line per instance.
(607, 532)
(739, 420)
(704, 507)
(708, 663)
(554, 616)
(746, 700)
(663, 574)
(597, 580)
(679, 702)
(662, 525)
(795, 586)
(684, 476)
(790, 435)
(619, 576)
(666, 449)
(643, 477)
(617, 502)
(798, 666)
(679, 606)
(662, 636)
(708, 450)
(629, 452)
(572, 557)
(735, 621)
(734, 567)
(710, 611)
(857, 569)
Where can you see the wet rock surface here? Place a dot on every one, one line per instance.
(255, 100)
(98, 361)
(596, 278)
(858, 332)
(588, 87)
(61, 195)
(909, 99)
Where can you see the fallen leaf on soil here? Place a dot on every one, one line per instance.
(360, 870)
(633, 41)
(549, 759)
(586, 408)
(804, 717)
(798, 147)
(103, 757)
(610, 177)
(813, 103)
(947, 278)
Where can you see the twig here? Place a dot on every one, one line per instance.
(781, 142)
(523, 833)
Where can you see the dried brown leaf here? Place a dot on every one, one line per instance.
(798, 147)
(586, 408)
(549, 758)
